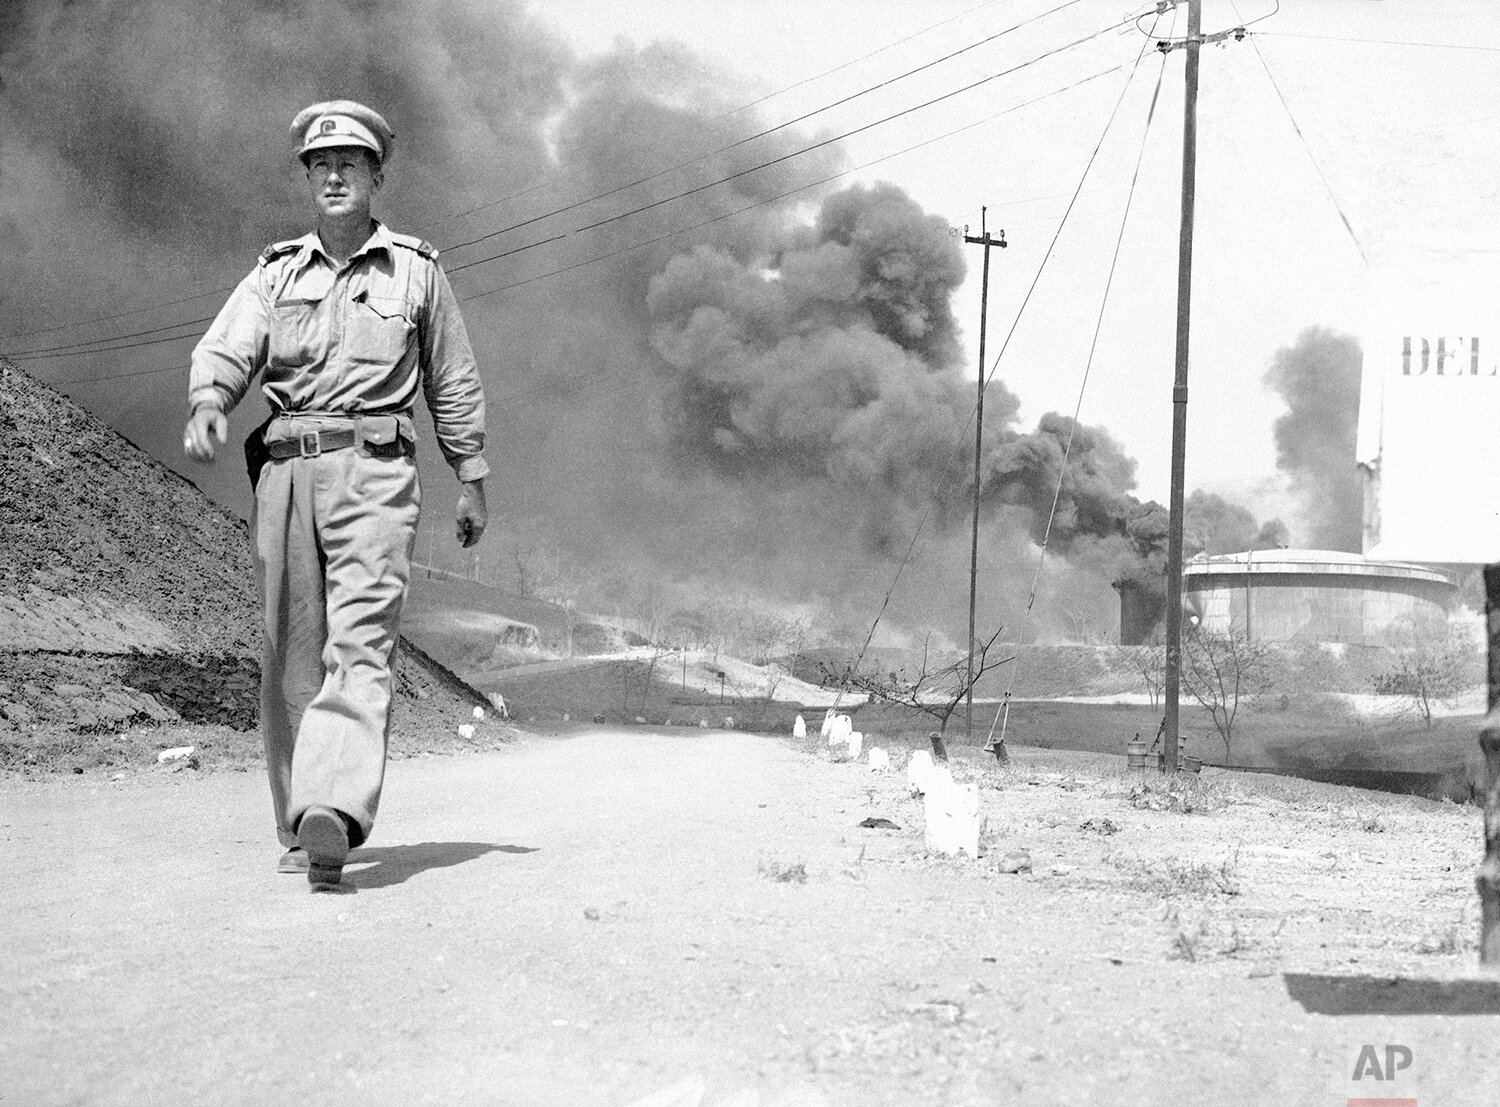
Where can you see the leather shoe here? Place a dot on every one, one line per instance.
(324, 835)
(293, 860)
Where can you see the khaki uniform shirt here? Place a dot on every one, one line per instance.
(357, 339)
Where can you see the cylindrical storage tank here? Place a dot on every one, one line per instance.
(1311, 595)
(1140, 609)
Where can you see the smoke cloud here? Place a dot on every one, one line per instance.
(1318, 377)
(755, 386)
(834, 364)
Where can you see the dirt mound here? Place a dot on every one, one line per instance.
(104, 548)
(127, 597)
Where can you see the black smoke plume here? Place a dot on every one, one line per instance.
(1318, 377)
(755, 385)
(832, 365)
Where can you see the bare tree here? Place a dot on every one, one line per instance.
(639, 678)
(561, 586)
(710, 620)
(1221, 668)
(1083, 623)
(638, 600)
(1149, 662)
(770, 633)
(935, 692)
(652, 611)
(532, 553)
(775, 674)
(1435, 661)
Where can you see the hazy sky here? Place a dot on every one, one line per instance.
(1403, 137)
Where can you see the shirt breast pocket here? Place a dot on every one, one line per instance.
(297, 333)
(380, 330)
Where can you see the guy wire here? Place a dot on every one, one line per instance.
(1002, 714)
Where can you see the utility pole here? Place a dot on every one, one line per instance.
(1193, 43)
(985, 241)
(1173, 673)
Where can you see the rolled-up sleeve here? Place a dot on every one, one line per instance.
(451, 384)
(232, 350)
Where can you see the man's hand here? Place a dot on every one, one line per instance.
(203, 427)
(472, 516)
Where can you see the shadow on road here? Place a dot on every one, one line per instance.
(393, 864)
(1392, 995)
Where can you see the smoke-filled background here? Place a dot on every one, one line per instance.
(1318, 378)
(757, 386)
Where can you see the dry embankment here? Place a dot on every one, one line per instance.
(127, 604)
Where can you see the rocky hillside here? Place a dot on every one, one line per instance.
(127, 597)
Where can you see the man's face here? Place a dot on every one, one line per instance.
(343, 180)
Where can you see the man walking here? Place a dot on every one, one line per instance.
(344, 325)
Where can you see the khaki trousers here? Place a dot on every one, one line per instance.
(333, 541)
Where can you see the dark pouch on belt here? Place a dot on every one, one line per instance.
(381, 437)
(256, 453)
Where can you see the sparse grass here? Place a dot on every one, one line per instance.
(1372, 823)
(1207, 937)
(1186, 793)
(56, 749)
(783, 872)
(1459, 934)
(1373, 814)
(60, 750)
(1440, 941)
(1184, 946)
(1172, 877)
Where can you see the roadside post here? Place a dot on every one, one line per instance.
(1488, 879)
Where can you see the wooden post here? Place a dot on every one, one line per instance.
(1488, 879)
(986, 241)
(1179, 387)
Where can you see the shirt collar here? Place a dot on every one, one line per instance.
(380, 239)
(312, 246)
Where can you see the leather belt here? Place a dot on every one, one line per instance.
(311, 443)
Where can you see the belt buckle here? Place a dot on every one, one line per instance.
(310, 443)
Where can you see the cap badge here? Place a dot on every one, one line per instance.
(328, 126)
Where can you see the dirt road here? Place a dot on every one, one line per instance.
(593, 918)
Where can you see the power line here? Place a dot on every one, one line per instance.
(553, 178)
(873, 53)
(526, 191)
(706, 222)
(546, 388)
(1002, 714)
(773, 199)
(1385, 41)
(1318, 169)
(110, 345)
(123, 376)
(851, 133)
(769, 131)
(922, 522)
(549, 389)
(106, 345)
(116, 315)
